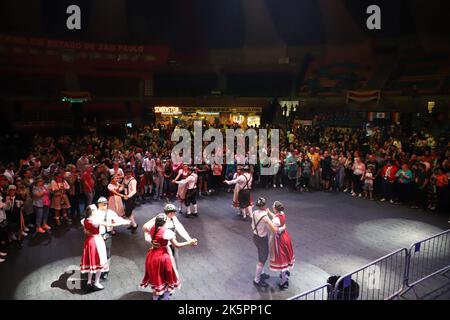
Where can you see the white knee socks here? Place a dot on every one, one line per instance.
(89, 278)
(97, 277)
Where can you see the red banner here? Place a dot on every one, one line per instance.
(363, 96)
(80, 45)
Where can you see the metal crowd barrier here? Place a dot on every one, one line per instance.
(390, 276)
(324, 292)
(427, 258)
(381, 279)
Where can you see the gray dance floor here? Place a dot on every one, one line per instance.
(332, 234)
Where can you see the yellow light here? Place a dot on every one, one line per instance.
(431, 106)
(167, 109)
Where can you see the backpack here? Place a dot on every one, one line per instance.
(351, 292)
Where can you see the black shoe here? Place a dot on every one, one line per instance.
(195, 214)
(288, 273)
(284, 286)
(134, 229)
(89, 288)
(104, 276)
(260, 284)
(265, 276)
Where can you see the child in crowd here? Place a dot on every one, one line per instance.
(368, 184)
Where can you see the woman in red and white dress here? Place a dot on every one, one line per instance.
(183, 173)
(115, 202)
(94, 259)
(282, 256)
(160, 269)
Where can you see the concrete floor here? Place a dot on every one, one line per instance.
(332, 235)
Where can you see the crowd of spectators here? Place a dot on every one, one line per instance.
(62, 175)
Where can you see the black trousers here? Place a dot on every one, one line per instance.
(3, 238)
(357, 183)
(74, 205)
(129, 206)
(420, 197)
(404, 192)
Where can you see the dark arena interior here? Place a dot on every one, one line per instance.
(347, 198)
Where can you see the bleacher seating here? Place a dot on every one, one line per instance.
(328, 78)
(418, 73)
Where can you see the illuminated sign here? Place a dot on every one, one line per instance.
(175, 109)
(168, 110)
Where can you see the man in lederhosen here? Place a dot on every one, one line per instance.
(261, 225)
(190, 184)
(110, 217)
(130, 187)
(242, 197)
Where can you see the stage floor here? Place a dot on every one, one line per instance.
(332, 234)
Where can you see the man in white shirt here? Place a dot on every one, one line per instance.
(190, 184)
(108, 216)
(148, 165)
(261, 225)
(172, 224)
(130, 187)
(241, 196)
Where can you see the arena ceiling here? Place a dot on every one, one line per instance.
(209, 24)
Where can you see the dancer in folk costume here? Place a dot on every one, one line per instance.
(189, 184)
(282, 257)
(160, 268)
(130, 187)
(115, 202)
(183, 173)
(262, 226)
(94, 259)
(172, 223)
(242, 197)
(113, 220)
